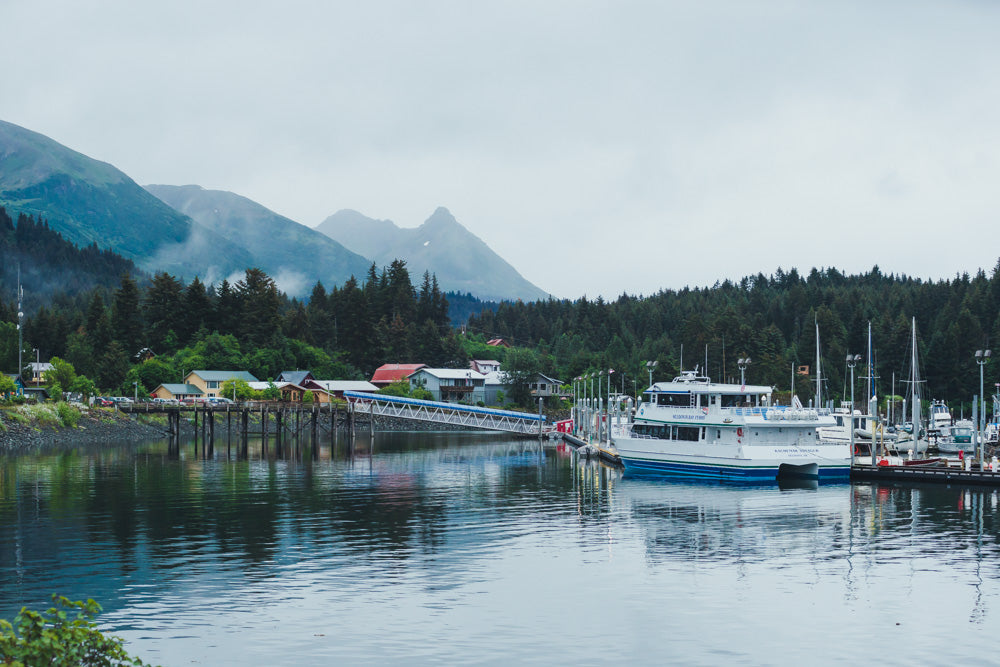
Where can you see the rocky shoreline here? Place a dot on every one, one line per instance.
(95, 426)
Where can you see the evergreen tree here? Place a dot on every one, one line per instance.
(126, 318)
(197, 311)
(162, 310)
(258, 305)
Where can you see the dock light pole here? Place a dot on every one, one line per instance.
(982, 356)
(650, 365)
(135, 392)
(743, 362)
(852, 361)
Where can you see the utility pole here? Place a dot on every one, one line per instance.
(20, 324)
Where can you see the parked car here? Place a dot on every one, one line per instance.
(103, 402)
(165, 401)
(218, 400)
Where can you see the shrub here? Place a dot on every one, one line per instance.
(46, 415)
(68, 415)
(65, 634)
(421, 394)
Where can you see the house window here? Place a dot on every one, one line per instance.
(212, 384)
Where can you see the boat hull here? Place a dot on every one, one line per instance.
(765, 464)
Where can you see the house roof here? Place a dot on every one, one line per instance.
(453, 373)
(497, 342)
(261, 386)
(295, 377)
(547, 378)
(222, 376)
(389, 373)
(177, 389)
(494, 377)
(40, 368)
(346, 385)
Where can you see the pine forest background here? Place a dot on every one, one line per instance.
(97, 311)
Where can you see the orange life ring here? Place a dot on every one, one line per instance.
(739, 432)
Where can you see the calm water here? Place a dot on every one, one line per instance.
(434, 548)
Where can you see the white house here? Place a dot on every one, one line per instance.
(451, 385)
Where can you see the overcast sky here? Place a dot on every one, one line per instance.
(600, 148)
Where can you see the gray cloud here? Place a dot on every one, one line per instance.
(669, 143)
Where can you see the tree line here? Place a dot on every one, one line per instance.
(152, 330)
(772, 320)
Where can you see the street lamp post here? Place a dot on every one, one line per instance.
(743, 362)
(852, 361)
(982, 357)
(650, 365)
(135, 392)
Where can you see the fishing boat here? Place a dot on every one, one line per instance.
(959, 438)
(692, 427)
(940, 420)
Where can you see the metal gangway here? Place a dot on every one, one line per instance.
(448, 413)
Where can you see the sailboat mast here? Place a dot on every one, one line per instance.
(819, 390)
(871, 374)
(915, 408)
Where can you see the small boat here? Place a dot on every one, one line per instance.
(959, 438)
(940, 421)
(692, 427)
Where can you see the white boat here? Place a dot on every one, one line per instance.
(693, 427)
(840, 430)
(959, 438)
(940, 420)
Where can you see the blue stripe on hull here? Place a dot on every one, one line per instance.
(735, 473)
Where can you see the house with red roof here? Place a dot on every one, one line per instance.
(386, 374)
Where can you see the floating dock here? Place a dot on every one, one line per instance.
(603, 450)
(925, 473)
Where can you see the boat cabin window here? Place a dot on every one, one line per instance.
(690, 433)
(674, 399)
(667, 432)
(732, 400)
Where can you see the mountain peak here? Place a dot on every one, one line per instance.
(441, 245)
(441, 218)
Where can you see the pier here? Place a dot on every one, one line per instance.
(454, 414)
(281, 420)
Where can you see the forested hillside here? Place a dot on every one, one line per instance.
(52, 265)
(771, 320)
(106, 335)
(92, 308)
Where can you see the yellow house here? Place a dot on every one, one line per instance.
(210, 382)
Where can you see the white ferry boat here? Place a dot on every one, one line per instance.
(694, 428)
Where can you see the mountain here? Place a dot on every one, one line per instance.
(294, 255)
(461, 261)
(88, 201)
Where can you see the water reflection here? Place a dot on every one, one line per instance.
(457, 542)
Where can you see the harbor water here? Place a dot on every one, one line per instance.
(430, 548)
